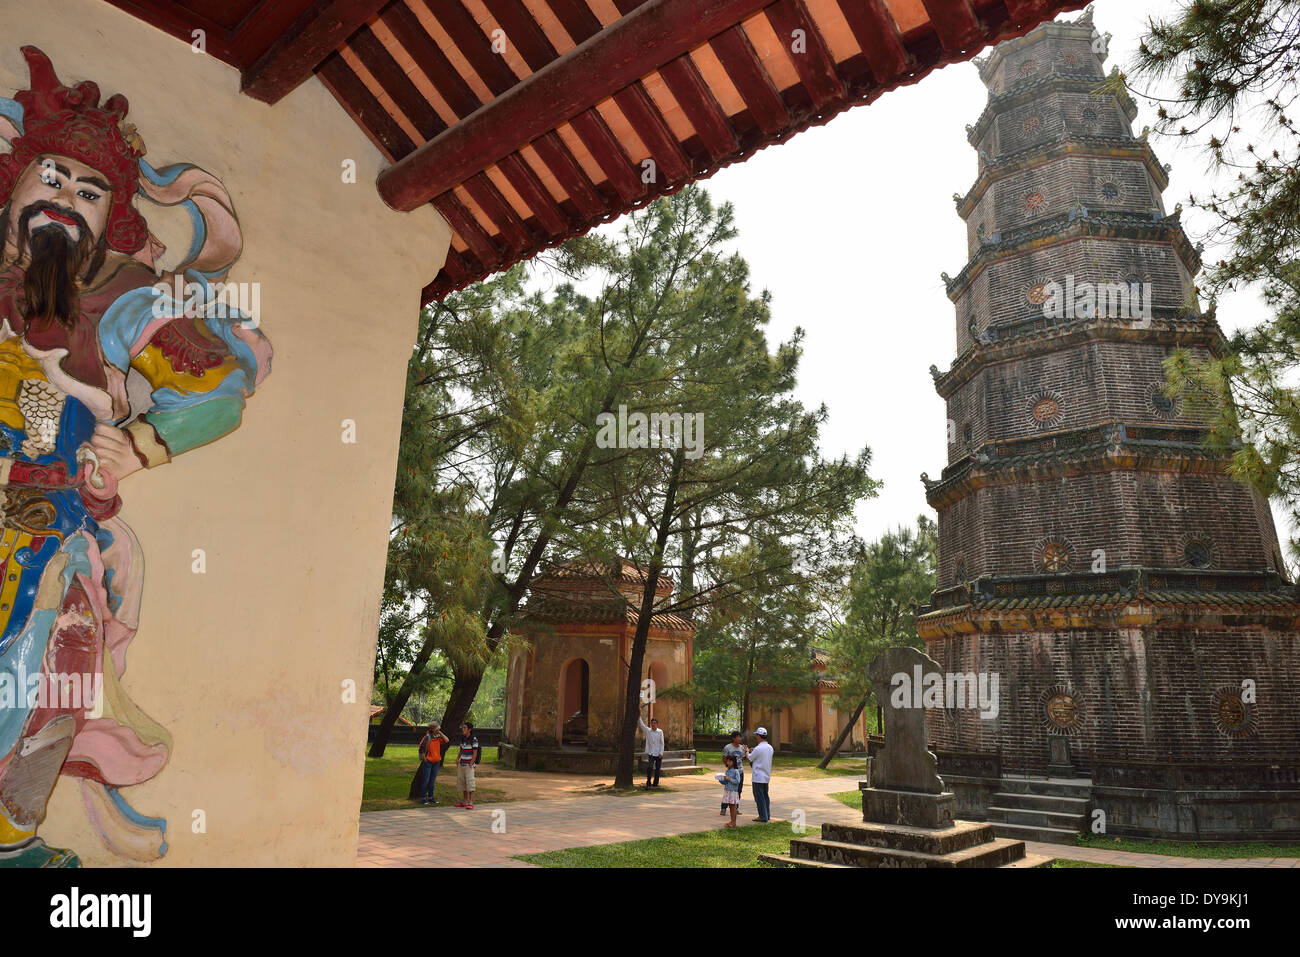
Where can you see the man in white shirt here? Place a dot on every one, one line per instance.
(760, 760)
(654, 750)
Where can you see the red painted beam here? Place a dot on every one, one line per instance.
(812, 60)
(609, 154)
(364, 109)
(463, 221)
(570, 174)
(876, 33)
(513, 232)
(527, 185)
(644, 40)
(641, 112)
(700, 106)
(1023, 10)
(396, 83)
(428, 56)
(738, 57)
(954, 22)
(297, 52)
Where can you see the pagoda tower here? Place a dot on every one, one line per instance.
(1128, 593)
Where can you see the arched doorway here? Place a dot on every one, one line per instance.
(572, 713)
(658, 673)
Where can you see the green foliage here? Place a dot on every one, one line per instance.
(501, 468)
(1234, 66)
(890, 580)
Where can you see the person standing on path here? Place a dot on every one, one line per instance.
(431, 761)
(470, 755)
(760, 759)
(654, 750)
(730, 779)
(737, 751)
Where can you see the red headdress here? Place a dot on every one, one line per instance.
(68, 121)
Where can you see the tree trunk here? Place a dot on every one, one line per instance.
(744, 704)
(403, 694)
(632, 698)
(844, 733)
(464, 688)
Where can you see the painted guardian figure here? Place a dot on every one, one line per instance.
(102, 373)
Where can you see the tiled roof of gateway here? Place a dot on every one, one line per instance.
(613, 609)
(621, 570)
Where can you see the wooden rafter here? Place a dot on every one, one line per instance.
(655, 33)
(296, 53)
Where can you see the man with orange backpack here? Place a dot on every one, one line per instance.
(430, 761)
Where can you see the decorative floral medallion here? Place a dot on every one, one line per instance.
(1233, 716)
(1035, 200)
(1061, 710)
(1046, 409)
(1161, 404)
(1032, 124)
(1053, 555)
(1197, 552)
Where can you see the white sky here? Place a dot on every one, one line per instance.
(849, 226)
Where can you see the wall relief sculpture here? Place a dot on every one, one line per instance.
(84, 310)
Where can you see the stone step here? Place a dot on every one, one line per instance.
(1041, 802)
(1061, 787)
(1035, 832)
(785, 860)
(961, 835)
(1033, 816)
(995, 853)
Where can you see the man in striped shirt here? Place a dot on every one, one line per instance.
(470, 755)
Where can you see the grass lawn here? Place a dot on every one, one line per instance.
(388, 779)
(851, 799)
(792, 762)
(1188, 849)
(730, 847)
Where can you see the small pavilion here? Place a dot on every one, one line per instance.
(806, 718)
(565, 691)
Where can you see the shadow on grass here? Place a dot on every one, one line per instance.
(720, 847)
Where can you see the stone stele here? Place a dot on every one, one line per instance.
(905, 784)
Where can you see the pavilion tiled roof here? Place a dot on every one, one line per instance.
(554, 610)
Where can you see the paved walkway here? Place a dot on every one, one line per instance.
(454, 837)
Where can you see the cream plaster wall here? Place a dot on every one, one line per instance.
(245, 664)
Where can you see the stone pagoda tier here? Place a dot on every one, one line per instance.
(1092, 553)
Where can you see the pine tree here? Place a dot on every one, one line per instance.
(1232, 63)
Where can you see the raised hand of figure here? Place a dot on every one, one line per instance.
(117, 458)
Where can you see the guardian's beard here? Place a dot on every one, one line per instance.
(55, 264)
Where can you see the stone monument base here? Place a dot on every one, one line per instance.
(912, 808)
(890, 836)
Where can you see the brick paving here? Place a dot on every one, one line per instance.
(454, 837)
